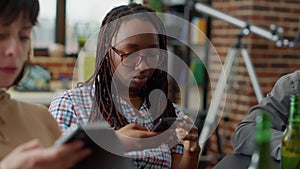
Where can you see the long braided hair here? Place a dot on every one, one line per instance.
(104, 106)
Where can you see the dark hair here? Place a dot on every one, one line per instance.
(102, 77)
(10, 11)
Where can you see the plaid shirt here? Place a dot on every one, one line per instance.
(74, 107)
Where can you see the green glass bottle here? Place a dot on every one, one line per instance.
(290, 150)
(261, 157)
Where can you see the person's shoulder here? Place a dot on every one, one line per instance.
(37, 110)
(294, 75)
(27, 105)
(78, 97)
(291, 76)
(286, 85)
(74, 92)
(290, 79)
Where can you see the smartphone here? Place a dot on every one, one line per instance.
(107, 148)
(77, 133)
(91, 134)
(164, 123)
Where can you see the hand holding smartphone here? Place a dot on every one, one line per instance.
(101, 139)
(164, 123)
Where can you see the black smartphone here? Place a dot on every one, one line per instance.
(77, 133)
(106, 147)
(164, 123)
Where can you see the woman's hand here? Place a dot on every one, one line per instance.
(135, 137)
(187, 133)
(32, 155)
(135, 130)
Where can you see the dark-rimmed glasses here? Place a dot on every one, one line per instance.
(152, 57)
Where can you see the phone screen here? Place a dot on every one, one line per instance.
(163, 124)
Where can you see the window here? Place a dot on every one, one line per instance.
(44, 32)
(82, 19)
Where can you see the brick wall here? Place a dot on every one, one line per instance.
(270, 61)
(56, 66)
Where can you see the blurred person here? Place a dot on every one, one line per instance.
(277, 104)
(27, 131)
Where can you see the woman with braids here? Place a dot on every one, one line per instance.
(27, 131)
(128, 90)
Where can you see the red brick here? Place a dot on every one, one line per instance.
(270, 61)
(281, 9)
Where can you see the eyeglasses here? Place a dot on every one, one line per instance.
(151, 56)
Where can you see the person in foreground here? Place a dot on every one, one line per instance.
(26, 130)
(277, 103)
(131, 61)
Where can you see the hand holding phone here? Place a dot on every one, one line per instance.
(164, 123)
(101, 139)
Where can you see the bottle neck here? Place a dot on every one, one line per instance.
(263, 136)
(261, 158)
(294, 124)
(295, 109)
(263, 148)
(294, 117)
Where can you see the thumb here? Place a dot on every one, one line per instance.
(140, 127)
